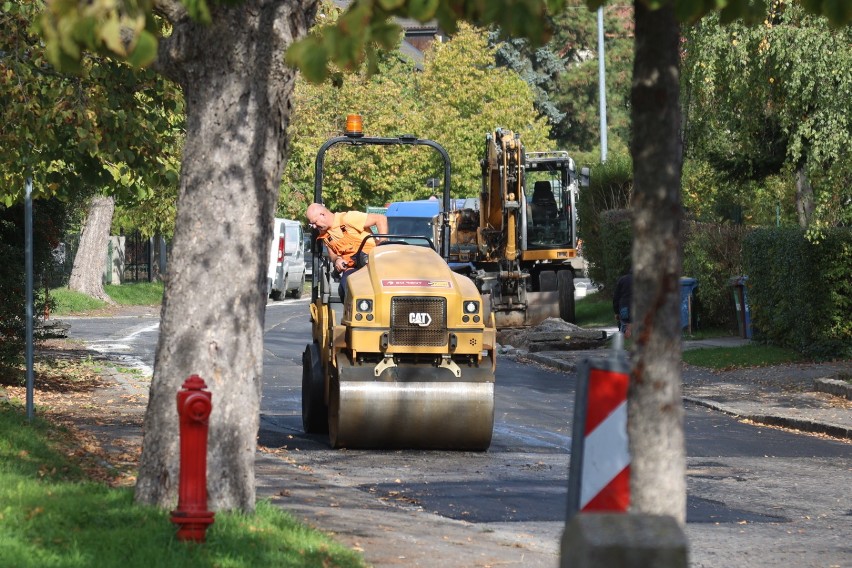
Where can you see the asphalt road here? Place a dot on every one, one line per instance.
(756, 496)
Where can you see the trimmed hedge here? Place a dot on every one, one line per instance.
(713, 254)
(609, 189)
(617, 225)
(800, 292)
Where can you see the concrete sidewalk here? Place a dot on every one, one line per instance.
(808, 397)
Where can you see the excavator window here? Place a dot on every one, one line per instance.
(544, 207)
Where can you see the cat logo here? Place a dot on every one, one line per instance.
(422, 319)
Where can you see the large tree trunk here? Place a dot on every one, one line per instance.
(237, 91)
(655, 411)
(88, 270)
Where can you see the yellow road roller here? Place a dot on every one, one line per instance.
(407, 359)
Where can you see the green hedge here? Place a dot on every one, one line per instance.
(609, 189)
(617, 226)
(800, 291)
(712, 254)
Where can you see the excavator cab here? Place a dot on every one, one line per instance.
(551, 193)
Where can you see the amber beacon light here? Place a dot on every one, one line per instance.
(354, 126)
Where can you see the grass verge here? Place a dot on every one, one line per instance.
(132, 294)
(594, 310)
(65, 502)
(752, 355)
(52, 515)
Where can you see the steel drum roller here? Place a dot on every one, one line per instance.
(444, 412)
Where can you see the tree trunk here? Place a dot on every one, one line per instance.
(655, 407)
(88, 270)
(238, 92)
(804, 198)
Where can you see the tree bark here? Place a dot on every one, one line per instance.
(655, 407)
(238, 101)
(804, 198)
(88, 270)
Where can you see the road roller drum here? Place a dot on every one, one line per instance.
(411, 406)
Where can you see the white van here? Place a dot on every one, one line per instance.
(286, 274)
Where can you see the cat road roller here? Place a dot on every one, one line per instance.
(407, 359)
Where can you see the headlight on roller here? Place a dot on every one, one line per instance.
(470, 311)
(363, 306)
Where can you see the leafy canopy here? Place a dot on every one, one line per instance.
(128, 30)
(772, 99)
(459, 96)
(109, 126)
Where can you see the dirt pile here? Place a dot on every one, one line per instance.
(553, 334)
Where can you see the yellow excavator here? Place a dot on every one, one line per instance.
(407, 359)
(518, 240)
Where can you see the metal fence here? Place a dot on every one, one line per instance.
(128, 258)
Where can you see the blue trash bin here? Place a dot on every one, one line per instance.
(687, 287)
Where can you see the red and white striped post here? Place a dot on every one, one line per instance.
(599, 477)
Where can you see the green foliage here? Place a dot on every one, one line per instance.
(609, 189)
(712, 254)
(538, 67)
(711, 194)
(356, 35)
(800, 290)
(48, 223)
(455, 100)
(763, 102)
(108, 128)
(617, 244)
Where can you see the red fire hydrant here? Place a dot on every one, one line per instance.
(192, 516)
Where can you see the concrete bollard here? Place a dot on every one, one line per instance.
(618, 540)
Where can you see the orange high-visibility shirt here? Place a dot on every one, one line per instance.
(346, 233)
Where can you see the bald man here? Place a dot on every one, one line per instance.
(343, 233)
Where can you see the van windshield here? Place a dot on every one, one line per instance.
(420, 226)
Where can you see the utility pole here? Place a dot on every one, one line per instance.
(28, 269)
(602, 83)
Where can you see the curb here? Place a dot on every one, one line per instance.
(834, 386)
(549, 362)
(775, 420)
(831, 386)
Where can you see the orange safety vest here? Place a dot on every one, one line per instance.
(346, 233)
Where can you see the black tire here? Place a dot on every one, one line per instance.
(297, 292)
(547, 281)
(565, 286)
(314, 410)
(275, 295)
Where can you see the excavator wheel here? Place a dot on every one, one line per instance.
(547, 281)
(565, 287)
(314, 411)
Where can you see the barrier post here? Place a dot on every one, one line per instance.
(599, 475)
